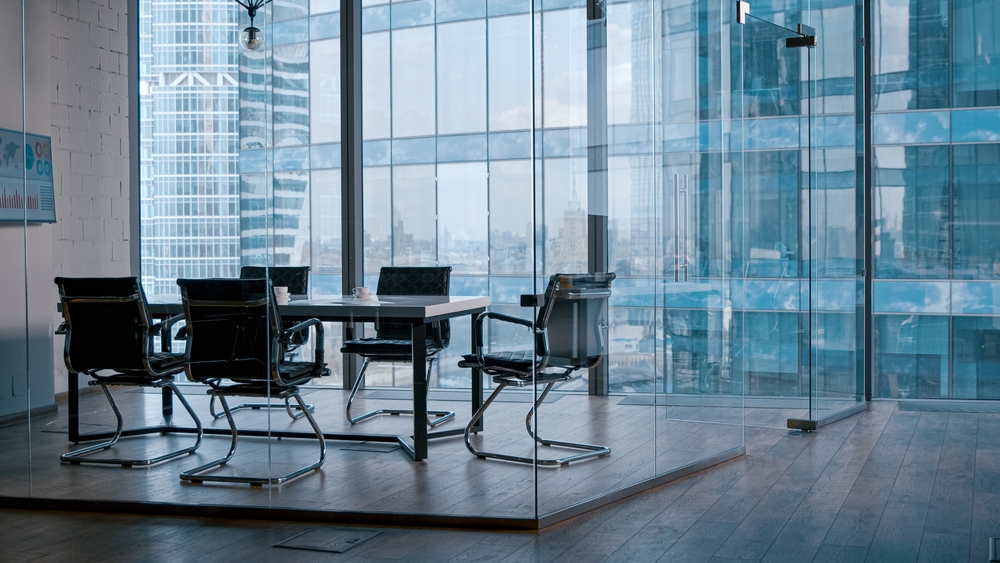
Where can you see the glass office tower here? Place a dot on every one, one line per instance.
(936, 102)
(188, 109)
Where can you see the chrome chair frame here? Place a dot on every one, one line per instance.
(149, 376)
(254, 386)
(540, 371)
(442, 416)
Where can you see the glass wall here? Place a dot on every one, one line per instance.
(15, 327)
(935, 161)
(510, 141)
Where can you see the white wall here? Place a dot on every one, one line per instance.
(89, 115)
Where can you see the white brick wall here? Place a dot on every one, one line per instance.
(89, 109)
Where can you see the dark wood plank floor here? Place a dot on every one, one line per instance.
(885, 485)
(645, 441)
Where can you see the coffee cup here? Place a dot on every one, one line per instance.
(281, 290)
(362, 292)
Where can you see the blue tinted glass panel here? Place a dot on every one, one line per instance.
(911, 128)
(976, 221)
(912, 216)
(777, 133)
(461, 148)
(975, 125)
(911, 356)
(504, 146)
(409, 14)
(414, 151)
(975, 298)
(976, 344)
(911, 55)
(976, 51)
(767, 201)
(912, 297)
(377, 153)
(291, 158)
(767, 295)
(833, 131)
(324, 156)
(292, 31)
(252, 161)
(630, 139)
(375, 19)
(454, 10)
(507, 7)
(324, 27)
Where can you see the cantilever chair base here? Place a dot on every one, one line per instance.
(257, 406)
(504, 381)
(442, 416)
(197, 475)
(79, 456)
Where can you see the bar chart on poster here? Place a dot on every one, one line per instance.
(26, 187)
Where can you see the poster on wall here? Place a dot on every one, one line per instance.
(24, 157)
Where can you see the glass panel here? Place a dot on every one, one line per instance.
(911, 54)
(25, 328)
(911, 356)
(976, 81)
(441, 190)
(799, 207)
(912, 235)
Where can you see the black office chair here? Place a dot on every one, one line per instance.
(108, 328)
(296, 279)
(392, 341)
(569, 336)
(234, 345)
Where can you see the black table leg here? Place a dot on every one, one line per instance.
(168, 404)
(477, 383)
(419, 340)
(73, 400)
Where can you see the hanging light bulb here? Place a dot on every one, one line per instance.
(252, 38)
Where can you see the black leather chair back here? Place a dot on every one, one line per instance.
(232, 329)
(435, 280)
(107, 324)
(571, 320)
(295, 278)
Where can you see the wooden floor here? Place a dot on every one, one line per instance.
(885, 485)
(645, 441)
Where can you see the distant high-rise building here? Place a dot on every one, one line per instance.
(189, 92)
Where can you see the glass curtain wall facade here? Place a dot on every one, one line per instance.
(447, 119)
(936, 102)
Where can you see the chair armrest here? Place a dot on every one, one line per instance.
(318, 346)
(162, 328)
(478, 344)
(532, 299)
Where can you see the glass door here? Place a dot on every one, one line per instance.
(795, 263)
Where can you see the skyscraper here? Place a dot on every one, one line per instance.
(189, 93)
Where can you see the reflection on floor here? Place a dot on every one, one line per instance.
(645, 441)
(889, 484)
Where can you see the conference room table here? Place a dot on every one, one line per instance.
(412, 309)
